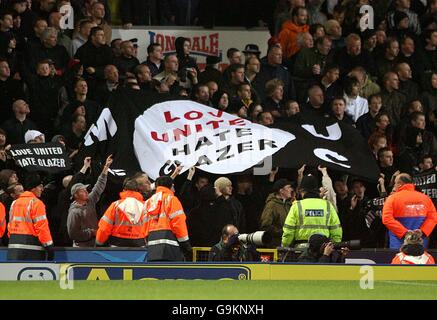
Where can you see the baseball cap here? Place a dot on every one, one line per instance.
(31, 181)
(278, 185)
(31, 135)
(76, 187)
(251, 48)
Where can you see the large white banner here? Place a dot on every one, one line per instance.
(204, 42)
(191, 134)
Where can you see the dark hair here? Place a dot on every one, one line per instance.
(415, 115)
(4, 13)
(373, 96)
(259, 116)
(425, 156)
(94, 30)
(382, 150)
(314, 27)
(428, 33)
(39, 19)
(3, 132)
(151, 47)
(350, 83)
(338, 98)
(164, 181)
(330, 67)
(231, 51)
(234, 67)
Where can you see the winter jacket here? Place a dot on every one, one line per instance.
(273, 217)
(288, 37)
(82, 219)
(407, 209)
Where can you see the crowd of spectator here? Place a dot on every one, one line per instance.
(382, 81)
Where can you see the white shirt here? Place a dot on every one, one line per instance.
(356, 107)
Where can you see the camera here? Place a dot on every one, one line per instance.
(258, 238)
(184, 73)
(351, 245)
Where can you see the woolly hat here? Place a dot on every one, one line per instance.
(31, 181)
(222, 183)
(309, 183)
(278, 185)
(316, 240)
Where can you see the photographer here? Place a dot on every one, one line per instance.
(231, 249)
(322, 250)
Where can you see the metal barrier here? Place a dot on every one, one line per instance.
(200, 254)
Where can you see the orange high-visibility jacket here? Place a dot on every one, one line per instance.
(402, 258)
(166, 226)
(124, 219)
(288, 37)
(2, 219)
(27, 216)
(408, 209)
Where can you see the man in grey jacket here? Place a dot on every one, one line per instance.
(82, 216)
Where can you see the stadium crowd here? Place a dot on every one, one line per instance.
(382, 81)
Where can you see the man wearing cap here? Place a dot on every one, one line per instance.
(251, 50)
(277, 206)
(82, 215)
(211, 72)
(310, 215)
(34, 136)
(28, 227)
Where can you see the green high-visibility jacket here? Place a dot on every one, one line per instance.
(310, 216)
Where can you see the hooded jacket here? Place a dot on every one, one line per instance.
(123, 222)
(273, 217)
(288, 37)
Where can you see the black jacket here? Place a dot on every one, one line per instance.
(96, 57)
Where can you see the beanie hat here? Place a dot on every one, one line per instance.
(31, 181)
(207, 194)
(309, 183)
(31, 135)
(278, 185)
(222, 183)
(315, 242)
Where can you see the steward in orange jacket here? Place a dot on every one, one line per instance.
(123, 224)
(2, 220)
(166, 229)
(407, 209)
(412, 251)
(291, 29)
(28, 227)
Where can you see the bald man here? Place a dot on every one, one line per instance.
(407, 209)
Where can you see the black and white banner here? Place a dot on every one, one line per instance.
(145, 133)
(427, 182)
(48, 157)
